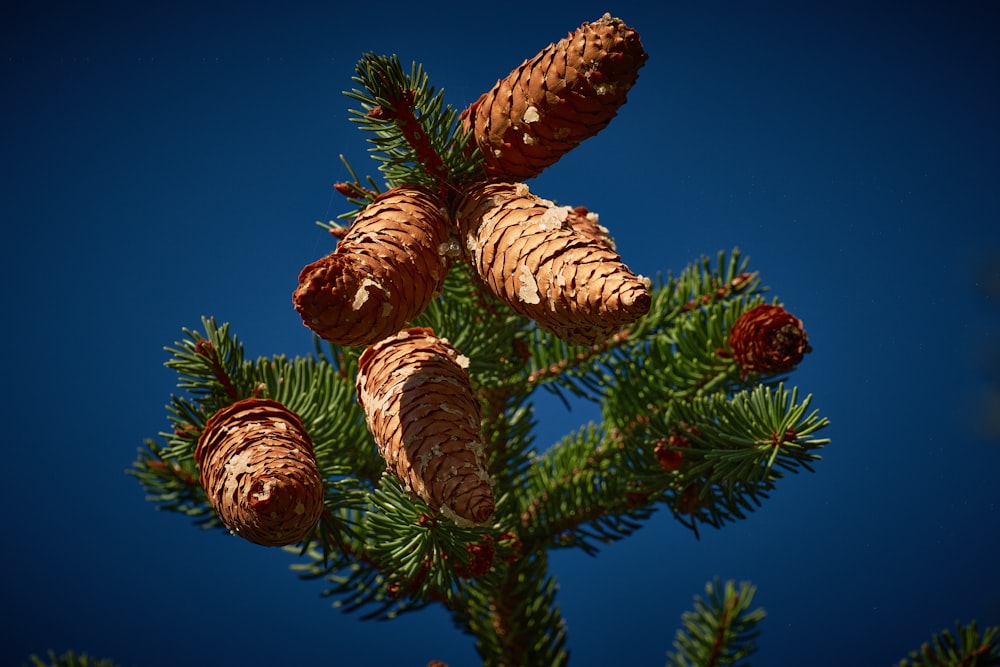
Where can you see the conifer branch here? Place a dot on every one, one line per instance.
(70, 659)
(428, 554)
(214, 373)
(679, 338)
(721, 628)
(173, 484)
(356, 584)
(580, 493)
(357, 579)
(358, 194)
(692, 418)
(473, 322)
(517, 622)
(725, 454)
(584, 366)
(417, 138)
(508, 425)
(965, 648)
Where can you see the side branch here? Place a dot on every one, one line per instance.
(205, 349)
(722, 630)
(401, 113)
(557, 368)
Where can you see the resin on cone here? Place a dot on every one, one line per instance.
(528, 253)
(552, 102)
(419, 406)
(588, 223)
(259, 471)
(382, 274)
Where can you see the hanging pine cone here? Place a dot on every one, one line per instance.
(419, 405)
(568, 92)
(260, 474)
(530, 256)
(382, 274)
(768, 339)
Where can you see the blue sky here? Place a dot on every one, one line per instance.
(161, 162)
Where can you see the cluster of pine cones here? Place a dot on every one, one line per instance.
(553, 264)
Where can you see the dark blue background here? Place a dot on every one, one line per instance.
(164, 162)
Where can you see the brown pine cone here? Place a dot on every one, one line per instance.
(260, 474)
(382, 274)
(568, 92)
(529, 255)
(419, 405)
(768, 339)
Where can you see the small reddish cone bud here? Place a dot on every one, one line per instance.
(768, 339)
(383, 273)
(528, 253)
(260, 474)
(481, 557)
(345, 189)
(666, 452)
(419, 406)
(567, 93)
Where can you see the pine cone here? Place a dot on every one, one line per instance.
(382, 274)
(260, 474)
(419, 405)
(529, 255)
(568, 92)
(768, 339)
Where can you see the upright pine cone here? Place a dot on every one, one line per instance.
(382, 274)
(568, 92)
(528, 253)
(768, 339)
(260, 474)
(419, 405)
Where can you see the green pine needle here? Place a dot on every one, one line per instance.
(68, 659)
(721, 628)
(416, 137)
(580, 493)
(966, 648)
